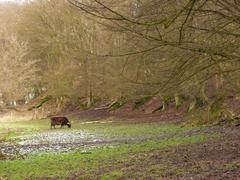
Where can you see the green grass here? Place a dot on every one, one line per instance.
(118, 129)
(7, 136)
(25, 125)
(62, 165)
(98, 162)
(109, 129)
(10, 130)
(233, 165)
(112, 175)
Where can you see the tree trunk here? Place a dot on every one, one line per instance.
(203, 94)
(177, 100)
(88, 84)
(90, 97)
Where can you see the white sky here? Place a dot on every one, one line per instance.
(17, 1)
(8, 0)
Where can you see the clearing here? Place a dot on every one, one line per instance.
(116, 149)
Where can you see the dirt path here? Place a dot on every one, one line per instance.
(133, 116)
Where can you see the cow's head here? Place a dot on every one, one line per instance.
(69, 125)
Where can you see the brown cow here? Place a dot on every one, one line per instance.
(63, 121)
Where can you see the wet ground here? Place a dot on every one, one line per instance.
(213, 158)
(68, 140)
(59, 141)
(49, 141)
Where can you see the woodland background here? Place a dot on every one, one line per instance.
(85, 52)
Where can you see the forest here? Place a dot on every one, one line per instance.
(150, 89)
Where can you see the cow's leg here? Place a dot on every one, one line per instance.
(62, 125)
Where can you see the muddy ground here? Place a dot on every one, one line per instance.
(67, 140)
(217, 159)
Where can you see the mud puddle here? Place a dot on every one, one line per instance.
(51, 141)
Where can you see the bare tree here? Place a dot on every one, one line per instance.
(18, 73)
